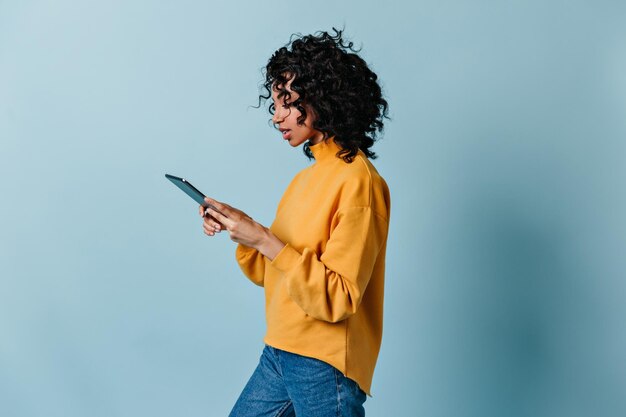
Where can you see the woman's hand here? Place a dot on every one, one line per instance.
(211, 225)
(242, 229)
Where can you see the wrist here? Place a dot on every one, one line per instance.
(270, 245)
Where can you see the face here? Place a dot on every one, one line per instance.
(286, 118)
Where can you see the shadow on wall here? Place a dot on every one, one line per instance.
(521, 324)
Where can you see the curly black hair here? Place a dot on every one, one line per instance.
(335, 84)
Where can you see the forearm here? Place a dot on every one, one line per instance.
(269, 245)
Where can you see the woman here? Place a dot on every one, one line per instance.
(322, 260)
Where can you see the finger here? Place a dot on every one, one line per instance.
(220, 217)
(214, 202)
(205, 213)
(210, 222)
(208, 217)
(209, 231)
(221, 207)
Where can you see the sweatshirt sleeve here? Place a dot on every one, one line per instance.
(252, 263)
(331, 287)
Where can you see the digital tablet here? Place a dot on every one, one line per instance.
(190, 190)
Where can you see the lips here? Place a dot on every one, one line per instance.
(286, 133)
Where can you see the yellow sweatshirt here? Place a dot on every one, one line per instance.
(324, 289)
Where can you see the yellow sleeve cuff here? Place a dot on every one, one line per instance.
(286, 259)
(243, 253)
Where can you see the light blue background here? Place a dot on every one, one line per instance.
(506, 158)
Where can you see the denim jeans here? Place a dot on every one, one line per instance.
(285, 385)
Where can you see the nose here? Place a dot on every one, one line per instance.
(279, 114)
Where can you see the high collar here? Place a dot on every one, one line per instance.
(325, 150)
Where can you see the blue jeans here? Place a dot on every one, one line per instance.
(285, 385)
